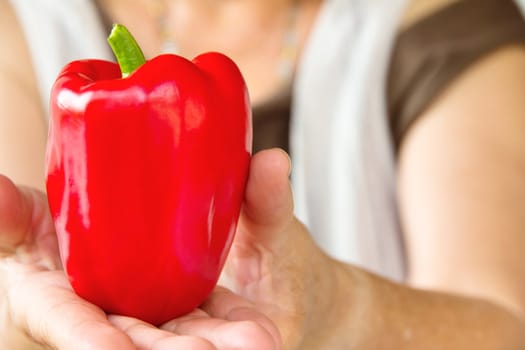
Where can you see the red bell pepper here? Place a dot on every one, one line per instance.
(145, 177)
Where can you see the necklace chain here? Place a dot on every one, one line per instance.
(289, 46)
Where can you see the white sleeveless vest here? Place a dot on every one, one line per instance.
(343, 162)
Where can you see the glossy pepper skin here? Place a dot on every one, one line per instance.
(145, 179)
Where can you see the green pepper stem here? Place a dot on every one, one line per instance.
(126, 49)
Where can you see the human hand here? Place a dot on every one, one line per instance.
(275, 275)
(276, 271)
(275, 265)
(36, 298)
(38, 301)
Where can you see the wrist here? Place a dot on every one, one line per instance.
(337, 306)
(375, 313)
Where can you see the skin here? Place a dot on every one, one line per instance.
(38, 301)
(461, 206)
(21, 158)
(254, 42)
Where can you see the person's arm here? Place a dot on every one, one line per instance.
(462, 202)
(462, 191)
(23, 129)
(22, 126)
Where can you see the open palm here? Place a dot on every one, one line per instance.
(38, 301)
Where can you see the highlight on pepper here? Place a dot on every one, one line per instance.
(145, 176)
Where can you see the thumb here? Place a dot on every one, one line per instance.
(267, 213)
(268, 198)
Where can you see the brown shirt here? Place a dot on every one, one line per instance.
(428, 55)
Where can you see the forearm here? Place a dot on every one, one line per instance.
(379, 314)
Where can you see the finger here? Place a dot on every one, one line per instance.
(46, 308)
(227, 305)
(268, 197)
(225, 335)
(15, 215)
(146, 336)
(222, 301)
(264, 223)
(26, 227)
(234, 324)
